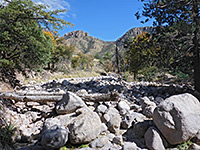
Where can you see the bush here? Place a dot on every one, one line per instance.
(184, 146)
(7, 131)
(82, 61)
(148, 73)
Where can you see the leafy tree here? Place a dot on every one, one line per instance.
(140, 52)
(59, 49)
(107, 63)
(23, 43)
(179, 19)
(82, 61)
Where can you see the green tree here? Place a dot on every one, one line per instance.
(140, 52)
(179, 19)
(59, 51)
(82, 61)
(23, 43)
(107, 63)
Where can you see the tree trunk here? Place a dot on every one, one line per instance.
(195, 10)
(49, 66)
(117, 60)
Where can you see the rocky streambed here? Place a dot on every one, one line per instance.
(104, 113)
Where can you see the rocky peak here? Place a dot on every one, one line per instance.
(76, 34)
(89, 44)
(132, 33)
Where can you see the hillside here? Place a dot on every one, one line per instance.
(90, 45)
(87, 44)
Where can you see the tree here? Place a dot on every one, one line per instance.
(180, 19)
(23, 43)
(140, 52)
(82, 61)
(59, 49)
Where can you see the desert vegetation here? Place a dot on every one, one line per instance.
(148, 72)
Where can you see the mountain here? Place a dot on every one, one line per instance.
(90, 45)
(132, 33)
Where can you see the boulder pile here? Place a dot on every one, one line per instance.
(103, 113)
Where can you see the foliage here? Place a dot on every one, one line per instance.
(148, 73)
(177, 30)
(84, 146)
(82, 61)
(108, 66)
(59, 50)
(180, 75)
(106, 62)
(140, 52)
(7, 131)
(72, 147)
(63, 148)
(23, 43)
(184, 146)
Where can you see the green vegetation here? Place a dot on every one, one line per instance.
(184, 146)
(59, 51)
(7, 132)
(63, 148)
(29, 41)
(107, 63)
(72, 147)
(82, 61)
(177, 34)
(140, 53)
(23, 43)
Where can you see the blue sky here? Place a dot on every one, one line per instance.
(104, 19)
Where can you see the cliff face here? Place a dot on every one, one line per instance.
(87, 44)
(91, 45)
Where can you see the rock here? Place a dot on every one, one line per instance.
(147, 106)
(112, 112)
(50, 122)
(110, 136)
(82, 92)
(132, 117)
(53, 138)
(130, 146)
(178, 118)
(136, 107)
(194, 146)
(196, 139)
(148, 111)
(122, 105)
(138, 117)
(196, 94)
(100, 142)
(33, 147)
(158, 100)
(66, 119)
(118, 140)
(101, 109)
(104, 128)
(123, 112)
(113, 119)
(127, 121)
(153, 140)
(69, 103)
(65, 83)
(114, 123)
(85, 127)
(140, 128)
(105, 118)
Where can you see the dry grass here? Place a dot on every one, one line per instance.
(5, 87)
(47, 75)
